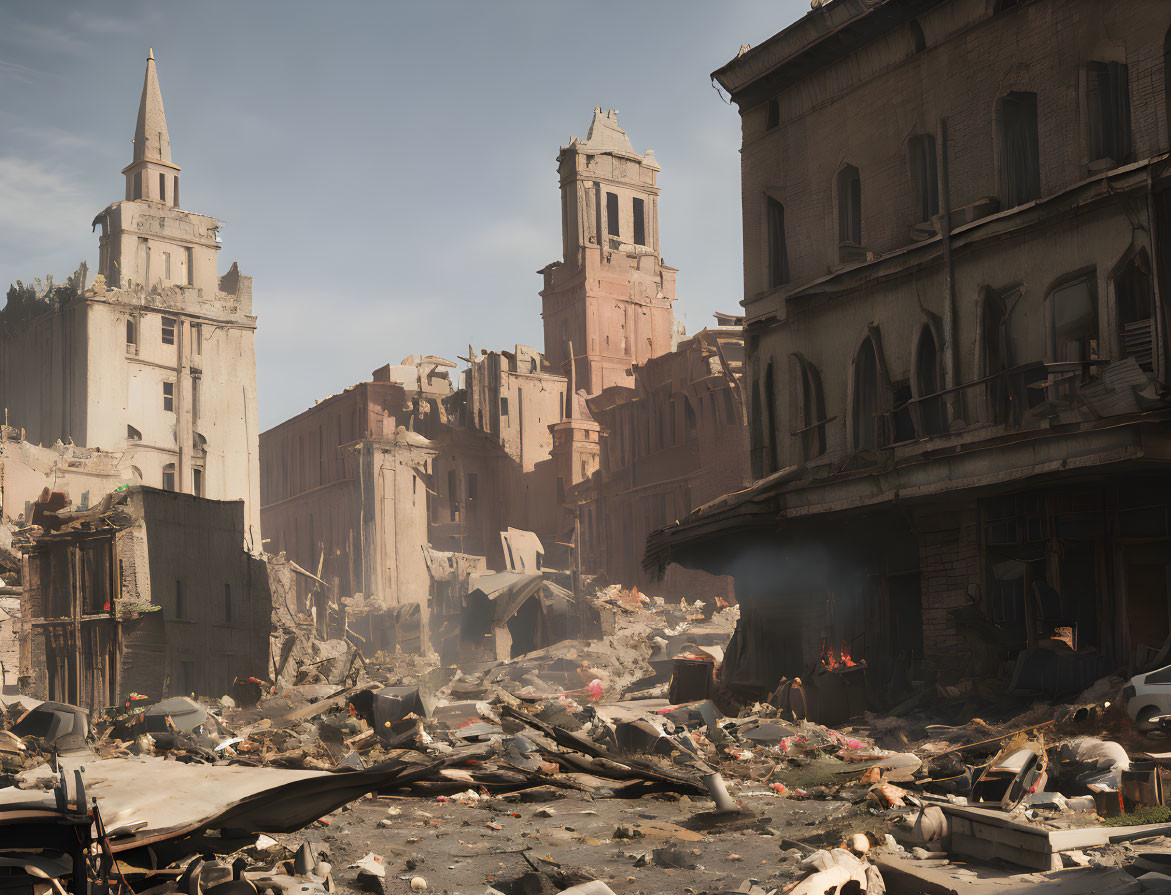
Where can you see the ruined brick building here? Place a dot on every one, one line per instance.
(957, 251)
(521, 442)
(148, 592)
(156, 359)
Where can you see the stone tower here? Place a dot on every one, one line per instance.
(611, 296)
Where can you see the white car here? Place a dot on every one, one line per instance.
(1148, 696)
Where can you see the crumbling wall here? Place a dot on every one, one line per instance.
(950, 576)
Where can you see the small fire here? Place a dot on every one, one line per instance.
(833, 658)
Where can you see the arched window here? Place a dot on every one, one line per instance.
(169, 477)
(1135, 301)
(928, 383)
(869, 423)
(812, 409)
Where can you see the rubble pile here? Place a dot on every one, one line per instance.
(399, 774)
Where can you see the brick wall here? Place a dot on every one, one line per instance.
(950, 574)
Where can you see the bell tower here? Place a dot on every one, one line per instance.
(152, 175)
(610, 297)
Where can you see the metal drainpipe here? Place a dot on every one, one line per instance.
(950, 370)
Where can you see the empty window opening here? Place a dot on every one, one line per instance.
(612, 214)
(453, 495)
(195, 390)
(1073, 321)
(180, 600)
(770, 416)
(756, 432)
(196, 332)
(927, 384)
(137, 184)
(132, 335)
(924, 176)
(227, 602)
(162, 187)
(197, 482)
(1108, 112)
(689, 415)
(146, 260)
(169, 396)
(902, 425)
(132, 434)
(473, 485)
(866, 406)
(168, 328)
(175, 191)
(1018, 149)
(169, 477)
(778, 253)
(504, 406)
(1134, 295)
(812, 412)
(772, 114)
(850, 206)
(639, 222)
(918, 40)
(190, 267)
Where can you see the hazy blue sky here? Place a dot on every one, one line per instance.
(385, 171)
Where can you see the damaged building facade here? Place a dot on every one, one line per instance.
(148, 592)
(155, 359)
(957, 346)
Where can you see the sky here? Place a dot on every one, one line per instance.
(385, 171)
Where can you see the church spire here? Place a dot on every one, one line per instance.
(151, 140)
(151, 175)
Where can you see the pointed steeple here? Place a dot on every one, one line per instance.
(151, 140)
(151, 175)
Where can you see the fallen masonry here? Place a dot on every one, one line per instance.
(569, 769)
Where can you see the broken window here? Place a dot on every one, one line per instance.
(1018, 149)
(756, 433)
(96, 576)
(168, 327)
(169, 477)
(453, 495)
(901, 424)
(812, 411)
(169, 396)
(869, 427)
(131, 335)
(849, 206)
(1107, 111)
(162, 187)
(770, 417)
(180, 600)
(918, 41)
(197, 481)
(772, 114)
(924, 177)
(227, 602)
(1134, 297)
(133, 434)
(778, 254)
(612, 213)
(639, 222)
(928, 384)
(1073, 320)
